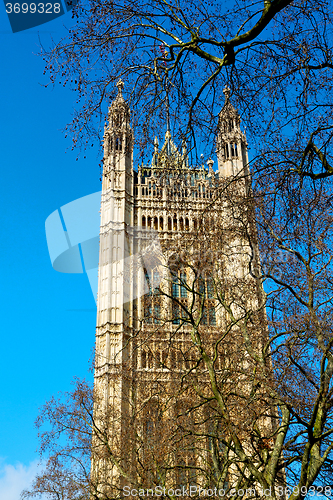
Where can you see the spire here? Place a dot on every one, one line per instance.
(118, 133)
(228, 111)
(119, 104)
(210, 164)
(154, 160)
(168, 142)
(226, 92)
(120, 86)
(167, 110)
(231, 142)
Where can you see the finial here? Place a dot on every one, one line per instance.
(210, 164)
(167, 106)
(120, 86)
(226, 92)
(156, 145)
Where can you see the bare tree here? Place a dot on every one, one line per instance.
(234, 384)
(221, 396)
(275, 55)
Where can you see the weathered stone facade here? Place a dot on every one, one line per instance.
(200, 277)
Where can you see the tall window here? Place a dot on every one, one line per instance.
(179, 292)
(175, 295)
(183, 290)
(152, 300)
(175, 285)
(233, 148)
(207, 293)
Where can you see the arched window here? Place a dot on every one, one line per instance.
(175, 223)
(179, 294)
(161, 223)
(118, 144)
(207, 293)
(156, 280)
(181, 224)
(157, 314)
(183, 289)
(143, 221)
(212, 316)
(169, 224)
(149, 313)
(187, 224)
(152, 299)
(175, 286)
(210, 287)
(156, 223)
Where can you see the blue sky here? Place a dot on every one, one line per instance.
(48, 318)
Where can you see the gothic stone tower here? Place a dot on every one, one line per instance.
(177, 277)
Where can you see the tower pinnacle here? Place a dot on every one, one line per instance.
(231, 143)
(118, 143)
(120, 86)
(226, 92)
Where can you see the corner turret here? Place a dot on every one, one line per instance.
(118, 143)
(231, 145)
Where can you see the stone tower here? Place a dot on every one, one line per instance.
(159, 304)
(113, 300)
(231, 141)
